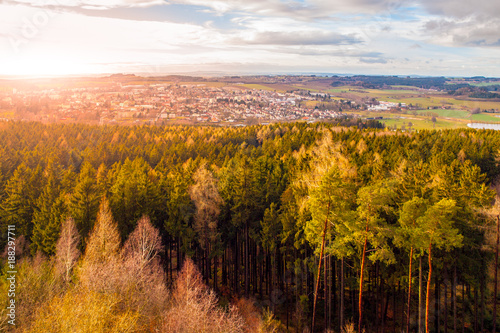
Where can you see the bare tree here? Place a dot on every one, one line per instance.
(67, 252)
(144, 243)
(194, 307)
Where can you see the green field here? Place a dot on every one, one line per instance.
(445, 119)
(422, 98)
(461, 114)
(420, 123)
(485, 84)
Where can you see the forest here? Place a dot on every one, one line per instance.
(287, 227)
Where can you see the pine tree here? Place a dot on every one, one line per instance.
(21, 192)
(84, 201)
(409, 236)
(438, 232)
(375, 205)
(49, 212)
(207, 200)
(100, 268)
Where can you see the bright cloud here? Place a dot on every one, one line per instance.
(360, 36)
(94, 4)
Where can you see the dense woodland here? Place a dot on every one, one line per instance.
(399, 229)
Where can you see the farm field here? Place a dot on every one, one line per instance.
(422, 120)
(461, 114)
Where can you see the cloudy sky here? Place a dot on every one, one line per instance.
(426, 37)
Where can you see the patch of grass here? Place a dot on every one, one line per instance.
(485, 84)
(485, 117)
(424, 123)
(418, 121)
(460, 114)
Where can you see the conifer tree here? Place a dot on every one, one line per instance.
(409, 236)
(84, 201)
(371, 229)
(100, 266)
(207, 200)
(437, 231)
(21, 192)
(49, 212)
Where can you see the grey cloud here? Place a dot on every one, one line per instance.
(88, 4)
(300, 38)
(331, 53)
(469, 32)
(306, 11)
(373, 60)
(463, 8)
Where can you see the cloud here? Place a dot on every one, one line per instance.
(462, 8)
(466, 32)
(299, 38)
(89, 4)
(301, 10)
(330, 53)
(373, 60)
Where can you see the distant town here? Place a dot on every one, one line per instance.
(239, 101)
(162, 103)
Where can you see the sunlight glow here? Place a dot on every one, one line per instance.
(46, 65)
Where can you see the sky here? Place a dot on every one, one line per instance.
(155, 37)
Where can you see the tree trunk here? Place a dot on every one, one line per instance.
(495, 290)
(319, 265)
(475, 309)
(446, 303)
(216, 262)
(420, 287)
(409, 293)
(236, 264)
(437, 303)
(378, 296)
(454, 297)
(342, 294)
(360, 302)
(325, 291)
(331, 287)
(481, 313)
(247, 264)
(428, 291)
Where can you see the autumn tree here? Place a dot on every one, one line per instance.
(194, 307)
(67, 251)
(144, 243)
(102, 254)
(141, 278)
(207, 200)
